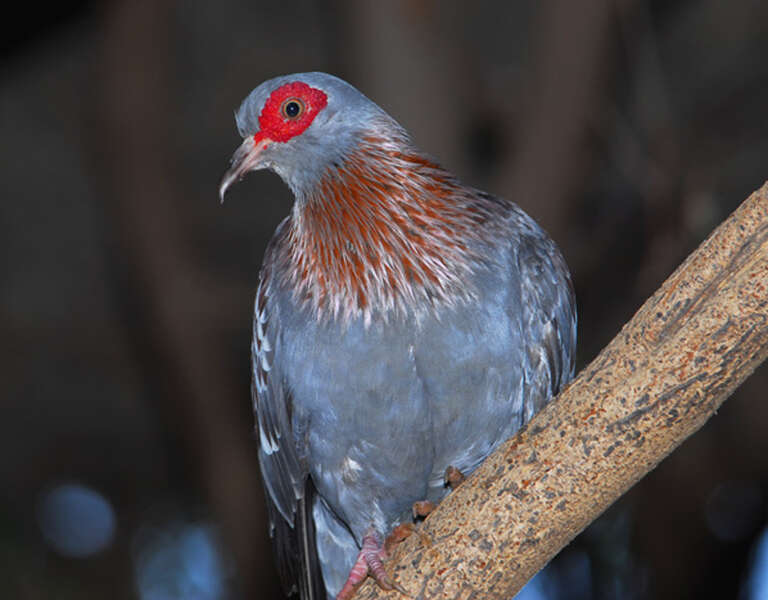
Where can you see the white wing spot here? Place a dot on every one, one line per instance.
(350, 469)
(268, 445)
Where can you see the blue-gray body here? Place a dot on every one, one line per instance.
(361, 410)
(379, 411)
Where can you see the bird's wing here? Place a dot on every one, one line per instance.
(289, 489)
(549, 316)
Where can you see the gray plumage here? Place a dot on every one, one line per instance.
(360, 411)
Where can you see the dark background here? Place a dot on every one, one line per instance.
(628, 128)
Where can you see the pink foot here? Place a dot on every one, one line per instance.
(370, 561)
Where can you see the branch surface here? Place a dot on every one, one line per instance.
(666, 372)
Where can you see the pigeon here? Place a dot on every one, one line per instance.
(405, 324)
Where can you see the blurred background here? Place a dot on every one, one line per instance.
(628, 128)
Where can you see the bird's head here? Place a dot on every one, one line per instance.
(299, 125)
(377, 227)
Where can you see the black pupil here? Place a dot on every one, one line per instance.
(292, 109)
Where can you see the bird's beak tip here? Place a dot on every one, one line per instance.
(245, 159)
(223, 187)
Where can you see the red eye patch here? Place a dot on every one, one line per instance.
(274, 121)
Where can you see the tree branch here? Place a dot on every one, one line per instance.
(666, 372)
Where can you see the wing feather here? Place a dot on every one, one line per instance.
(549, 315)
(290, 492)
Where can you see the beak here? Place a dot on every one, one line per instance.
(246, 158)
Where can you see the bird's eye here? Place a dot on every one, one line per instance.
(292, 108)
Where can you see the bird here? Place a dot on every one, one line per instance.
(405, 324)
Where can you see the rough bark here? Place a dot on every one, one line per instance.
(666, 372)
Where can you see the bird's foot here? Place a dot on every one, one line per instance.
(402, 532)
(453, 477)
(422, 508)
(370, 561)
(399, 534)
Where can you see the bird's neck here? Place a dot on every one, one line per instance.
(384, 232)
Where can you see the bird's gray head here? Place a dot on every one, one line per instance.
(299, 125)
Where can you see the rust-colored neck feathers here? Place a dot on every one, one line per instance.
(384, 231)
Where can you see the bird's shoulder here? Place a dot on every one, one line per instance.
(548, 315)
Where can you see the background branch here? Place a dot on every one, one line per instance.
(668, 370)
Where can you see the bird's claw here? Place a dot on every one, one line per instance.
(422, 508)
(453, 477)
(370, 561)
(399, 534)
